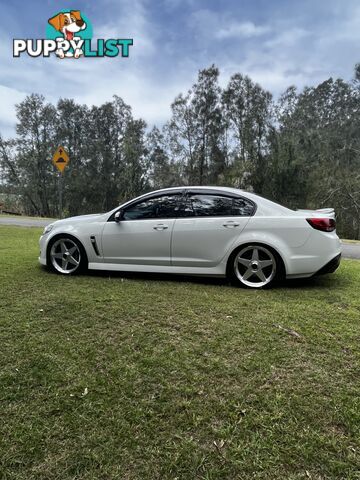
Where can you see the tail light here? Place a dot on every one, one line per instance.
(323, 224)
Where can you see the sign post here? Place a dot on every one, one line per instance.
(60, 160)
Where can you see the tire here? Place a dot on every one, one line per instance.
(66, 256)
(254, 266)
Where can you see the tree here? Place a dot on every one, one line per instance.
(29, 168)
(72, 132)
(135, 176)
(162, 171)
(197, 127)
(105, 161)
(287, 171)
(316, 152)
(248, 114)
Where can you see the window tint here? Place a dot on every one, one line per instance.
(208, 206)
(159, 207)
(202, 205)
(242, 207)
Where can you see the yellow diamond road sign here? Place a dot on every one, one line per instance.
(60, 159)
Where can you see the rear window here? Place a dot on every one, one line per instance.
(206, 205)
(210, 205)
(242, 207)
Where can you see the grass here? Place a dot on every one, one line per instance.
(145, 377)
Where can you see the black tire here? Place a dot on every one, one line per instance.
(252, 265)
(75, 253)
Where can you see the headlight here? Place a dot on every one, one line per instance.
(48, 228)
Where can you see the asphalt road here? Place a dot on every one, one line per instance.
(24, 222)
(350, 250)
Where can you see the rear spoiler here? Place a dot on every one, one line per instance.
(326, 210)
(320, 211)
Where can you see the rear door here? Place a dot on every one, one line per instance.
(207, 226)
(143, 235)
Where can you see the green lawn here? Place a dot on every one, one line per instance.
(140, 377)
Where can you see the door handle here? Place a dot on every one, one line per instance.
(160, 226)
(231, 224)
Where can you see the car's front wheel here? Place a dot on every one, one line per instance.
(254, 266)
(66, 256)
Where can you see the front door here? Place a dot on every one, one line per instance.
(143, 235)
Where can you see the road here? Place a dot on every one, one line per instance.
(25, 222)
(350, 250)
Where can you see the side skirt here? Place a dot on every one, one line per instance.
(116, 267)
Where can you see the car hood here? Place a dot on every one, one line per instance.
(94, 217)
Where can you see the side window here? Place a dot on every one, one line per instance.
(242, 207)
(160, 207)
(208, 206)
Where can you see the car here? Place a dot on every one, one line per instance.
(208, 231)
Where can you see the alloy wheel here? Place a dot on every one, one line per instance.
(65, 256)
(255, 266)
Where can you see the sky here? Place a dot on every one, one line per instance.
(277, 43)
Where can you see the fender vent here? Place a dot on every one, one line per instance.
(94, 244)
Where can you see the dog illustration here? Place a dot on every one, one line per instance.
(68, 24)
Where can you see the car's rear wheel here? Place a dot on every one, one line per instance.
(66, 256)
(254, 266)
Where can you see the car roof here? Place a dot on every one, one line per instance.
(268, 205)
(264, 206)
(201, 187)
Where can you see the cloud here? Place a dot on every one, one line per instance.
(241, 29)
(8, 98)
(129, 19)
(297, 49)
(287, 38)
(221, 25)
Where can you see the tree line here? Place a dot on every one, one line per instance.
(301, 149)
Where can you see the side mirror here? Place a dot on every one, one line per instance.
(118, 216)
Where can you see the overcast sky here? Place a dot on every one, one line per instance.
(278, 43)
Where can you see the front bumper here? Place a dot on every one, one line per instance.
(42, 261)
(331, 266)
(42, 245)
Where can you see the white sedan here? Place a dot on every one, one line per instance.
(197, 231)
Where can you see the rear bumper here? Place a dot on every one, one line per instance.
(331, 266)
